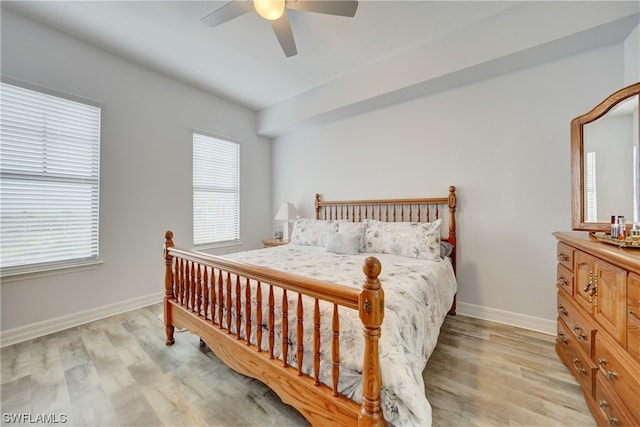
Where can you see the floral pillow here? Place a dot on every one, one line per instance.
(312, 232)
(410, 239)
(341, 243)
(373, 235)
(354, 229)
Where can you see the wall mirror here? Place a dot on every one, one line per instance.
(605, 162)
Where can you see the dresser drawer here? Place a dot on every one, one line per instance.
(564, 279)
(619, 372)
(580, 366)
(633, 295)
(633, 316)
(577, 325)
(611, 411)
(565, 255)
(633, 337)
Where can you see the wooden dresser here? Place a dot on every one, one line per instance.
(599, 324)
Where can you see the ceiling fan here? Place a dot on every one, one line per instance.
(276, 12)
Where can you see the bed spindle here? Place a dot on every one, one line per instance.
(205, 293)
(176, 279)
(198, 289)
(247, 311)
(228, 302)
(180, 281)
(220, 300)
(271, 321)
(187, 284)
(300, 333)
(214, 296)
(184, 267)
(259, 316)
(285, 328)
(335, 350)
(192, 287)
(238, 307)
(316, 342)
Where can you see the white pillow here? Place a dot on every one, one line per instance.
(312, 232)
(411, 239)
(340, 243)
(354, 229)
(373, 235)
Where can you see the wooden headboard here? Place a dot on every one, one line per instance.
(395, 210)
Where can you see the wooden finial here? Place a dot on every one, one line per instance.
(168, 243)
(372, 268)
(452, 196)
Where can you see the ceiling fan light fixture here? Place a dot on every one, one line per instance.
(269, 9)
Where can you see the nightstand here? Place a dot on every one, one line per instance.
(269, 243)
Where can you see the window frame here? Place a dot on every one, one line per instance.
(198, 241)
(91, 161)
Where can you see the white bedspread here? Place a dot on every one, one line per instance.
(418, 295)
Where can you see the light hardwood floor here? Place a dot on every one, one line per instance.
(118, 372)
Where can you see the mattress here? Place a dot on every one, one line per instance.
(418, 295)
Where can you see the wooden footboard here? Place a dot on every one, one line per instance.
(217, 299)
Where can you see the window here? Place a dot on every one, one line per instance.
(49, 181)
(216, 190)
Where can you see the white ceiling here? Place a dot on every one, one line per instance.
(242, 61)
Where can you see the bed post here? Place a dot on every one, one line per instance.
(168, 286)
(371, 309)
(452, 236)
(317, 206)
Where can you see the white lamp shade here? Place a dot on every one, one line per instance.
(287, 212)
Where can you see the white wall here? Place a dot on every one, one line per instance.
(632, 57)
(147, 120)
(504, 143)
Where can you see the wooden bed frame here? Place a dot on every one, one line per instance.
(202, 291)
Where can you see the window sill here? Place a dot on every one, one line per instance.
(51, 271)
(213, 246)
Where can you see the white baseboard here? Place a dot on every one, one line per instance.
(38, 329)
(532, 323)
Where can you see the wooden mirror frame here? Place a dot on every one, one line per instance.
(577, 156)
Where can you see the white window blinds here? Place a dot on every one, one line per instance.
(216, 190)
(49, 181)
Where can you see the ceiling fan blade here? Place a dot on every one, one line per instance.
(227, 12)
(282, 28)
(341, 8)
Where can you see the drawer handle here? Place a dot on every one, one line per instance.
(576, 362)
(579, 333)
(592, 287)
(561, 338)
(562, 257)
(562, 281)
(603, 406)
(562, 311)
(610, 375)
